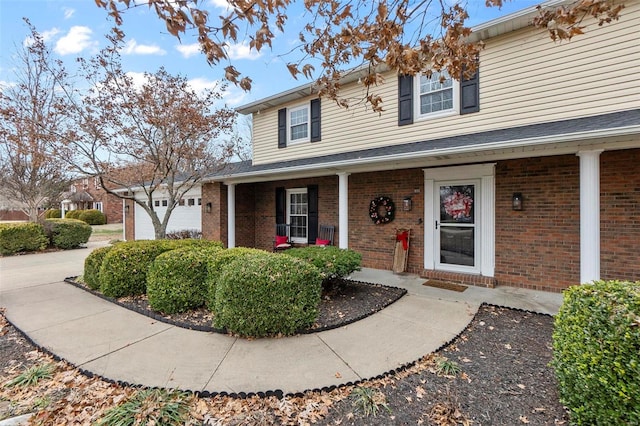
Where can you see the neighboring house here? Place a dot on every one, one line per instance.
(527, 175)
(86, 193)
(11, 210)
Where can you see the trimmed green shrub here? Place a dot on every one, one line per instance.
(17, 237)
(92, 265)
(596, 353)
(176, 281)
(72, 214)
(331, 261)
(53, 214)
(217, 263)
(67, 233)
(265, 294)
(124, 269)
(92, 217)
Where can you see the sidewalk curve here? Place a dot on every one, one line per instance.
(113, 342)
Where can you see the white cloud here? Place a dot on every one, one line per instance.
(199, 85)
(77, 39)
(47, 36)
(234, 96)
(133, 48)
(68, 12)
(138, 78)
(188, 50)
(242, 51)
(6, 84)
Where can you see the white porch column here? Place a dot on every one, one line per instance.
(343, 210)
(589, 215)
(231, 215)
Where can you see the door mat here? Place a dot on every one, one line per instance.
(445, 285)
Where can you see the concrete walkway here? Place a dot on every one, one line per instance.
(113, 342)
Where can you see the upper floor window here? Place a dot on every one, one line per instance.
(435, 93)
(299, 124)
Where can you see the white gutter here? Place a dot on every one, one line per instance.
(516, 143)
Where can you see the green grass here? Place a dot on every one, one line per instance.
(446, 367)
(33, 375)
(369, 401)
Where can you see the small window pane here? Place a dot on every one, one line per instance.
(191, 202)
(165, 203)
(299, 123)
(436, 95)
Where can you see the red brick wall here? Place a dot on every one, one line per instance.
(246, 216)
(377, 242)
(538, 247)
(620, 215)
(214, 223)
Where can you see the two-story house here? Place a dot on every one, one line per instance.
(87, 193)
(526, 175)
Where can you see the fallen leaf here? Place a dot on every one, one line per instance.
(524, 419)
(521, 386)
(507, 346)
(465, 360)
(338, 375)
(420, 392)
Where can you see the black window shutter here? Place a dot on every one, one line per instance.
(470, 93)
(282, 128)
(281, 205)
(312, 215)
(405, 100)
(315, 120)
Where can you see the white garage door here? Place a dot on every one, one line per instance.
(188, 215)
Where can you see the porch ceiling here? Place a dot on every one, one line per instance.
(619, 130)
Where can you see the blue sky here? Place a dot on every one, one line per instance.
(77, 27)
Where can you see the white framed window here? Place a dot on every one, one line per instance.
(98, 206)
(436, 95)
(96, 182)
(298, 124)
(298, 214)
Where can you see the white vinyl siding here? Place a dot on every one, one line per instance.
(525, 78)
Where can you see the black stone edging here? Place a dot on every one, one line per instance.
(206, 328)
(278, 393)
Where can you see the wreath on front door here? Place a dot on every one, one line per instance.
(382, 210)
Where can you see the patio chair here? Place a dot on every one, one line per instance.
(325, 235)
(281, 240)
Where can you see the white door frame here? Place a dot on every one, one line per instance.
(485, 228)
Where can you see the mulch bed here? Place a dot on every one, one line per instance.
(342, 302)
(504, 380)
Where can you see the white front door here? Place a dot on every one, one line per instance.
(456, 232)
(459, 218)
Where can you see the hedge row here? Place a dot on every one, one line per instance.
(60, 233)
(251, 292)
(596, 353)
(90, 216)
(16, 238)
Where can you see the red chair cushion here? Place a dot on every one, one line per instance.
(281, 239)
(320, 242)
